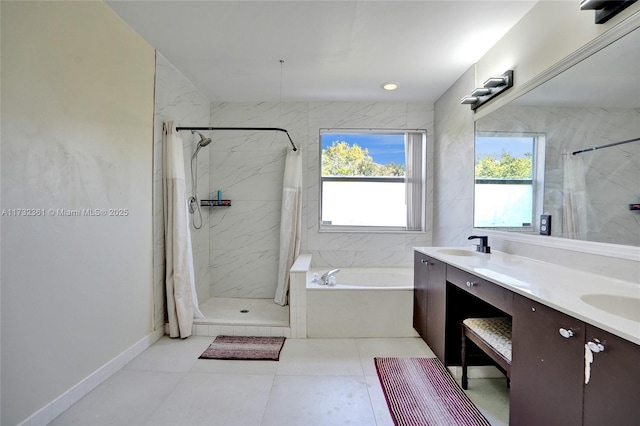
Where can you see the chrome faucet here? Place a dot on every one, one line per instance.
(329, 278)
(483, 247)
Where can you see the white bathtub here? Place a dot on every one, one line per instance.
(366, 302)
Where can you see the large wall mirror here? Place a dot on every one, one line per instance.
(534, 155)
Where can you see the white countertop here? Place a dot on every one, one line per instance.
(556, 286)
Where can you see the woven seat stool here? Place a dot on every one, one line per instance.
(493, 337)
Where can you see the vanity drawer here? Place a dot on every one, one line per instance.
(491, 293)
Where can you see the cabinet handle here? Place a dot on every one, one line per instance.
(596, 346)
(471, 284)
(566, 332)
(426, 262)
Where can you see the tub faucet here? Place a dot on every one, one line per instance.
(483, 247)
(329, 278)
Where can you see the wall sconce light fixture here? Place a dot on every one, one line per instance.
(469, 100)
(481, 91)
(489, 90)
(605, 10)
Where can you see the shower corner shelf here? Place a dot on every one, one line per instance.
(215, 203)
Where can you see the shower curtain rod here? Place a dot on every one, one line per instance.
(605, 146)
(295, 148)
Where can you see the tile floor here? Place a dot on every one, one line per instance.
(321, 382)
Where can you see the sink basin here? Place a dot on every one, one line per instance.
(622, 306)
(458, 252)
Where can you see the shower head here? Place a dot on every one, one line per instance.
(204, 141)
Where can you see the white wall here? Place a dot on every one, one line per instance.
(551, 31)
(178, 100)
(454, 166)
(77, 123)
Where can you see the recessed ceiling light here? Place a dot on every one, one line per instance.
(390, 86)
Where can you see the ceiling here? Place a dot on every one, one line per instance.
(332, 50)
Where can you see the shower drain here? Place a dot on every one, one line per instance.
(244, 311)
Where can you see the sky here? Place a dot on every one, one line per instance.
(383, 147)
(389, 147)
(516, 146)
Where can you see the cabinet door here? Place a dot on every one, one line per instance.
(547, 369)
(611, 396)
(420, 277)
(436, 306)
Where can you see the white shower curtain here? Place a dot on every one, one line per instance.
(182, 304)
(574, 189)
(290, 218)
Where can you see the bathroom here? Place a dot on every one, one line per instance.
(74, 287)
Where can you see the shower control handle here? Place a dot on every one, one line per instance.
(193, 204)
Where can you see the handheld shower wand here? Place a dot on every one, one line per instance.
(194, 203)
(204, 141)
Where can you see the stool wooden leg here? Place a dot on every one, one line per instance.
(464, 380)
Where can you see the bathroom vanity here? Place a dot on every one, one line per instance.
(562, 319)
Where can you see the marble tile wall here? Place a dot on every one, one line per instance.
(248, 167)
(333, 249)
(177, 99)
(454, 165)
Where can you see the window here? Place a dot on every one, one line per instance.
(507, 180)
(372, 180)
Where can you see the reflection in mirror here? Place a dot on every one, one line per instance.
(592, 104)
(508, 183)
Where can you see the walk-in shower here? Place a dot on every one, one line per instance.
(236, 272)
(194, 203)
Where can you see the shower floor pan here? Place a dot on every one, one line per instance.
(237, 311)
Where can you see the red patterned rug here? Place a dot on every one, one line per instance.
(421, 391)
(244, 347)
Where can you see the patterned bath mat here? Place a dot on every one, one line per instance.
(244, 347)
(420, 391)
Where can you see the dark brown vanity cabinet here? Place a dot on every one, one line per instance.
(548, 350)
(420, 277)
(548, 371)
(612, 396)
(429, 301)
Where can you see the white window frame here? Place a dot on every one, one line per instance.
(373, 229)
(537, 180)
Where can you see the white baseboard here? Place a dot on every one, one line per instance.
(59, 405)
